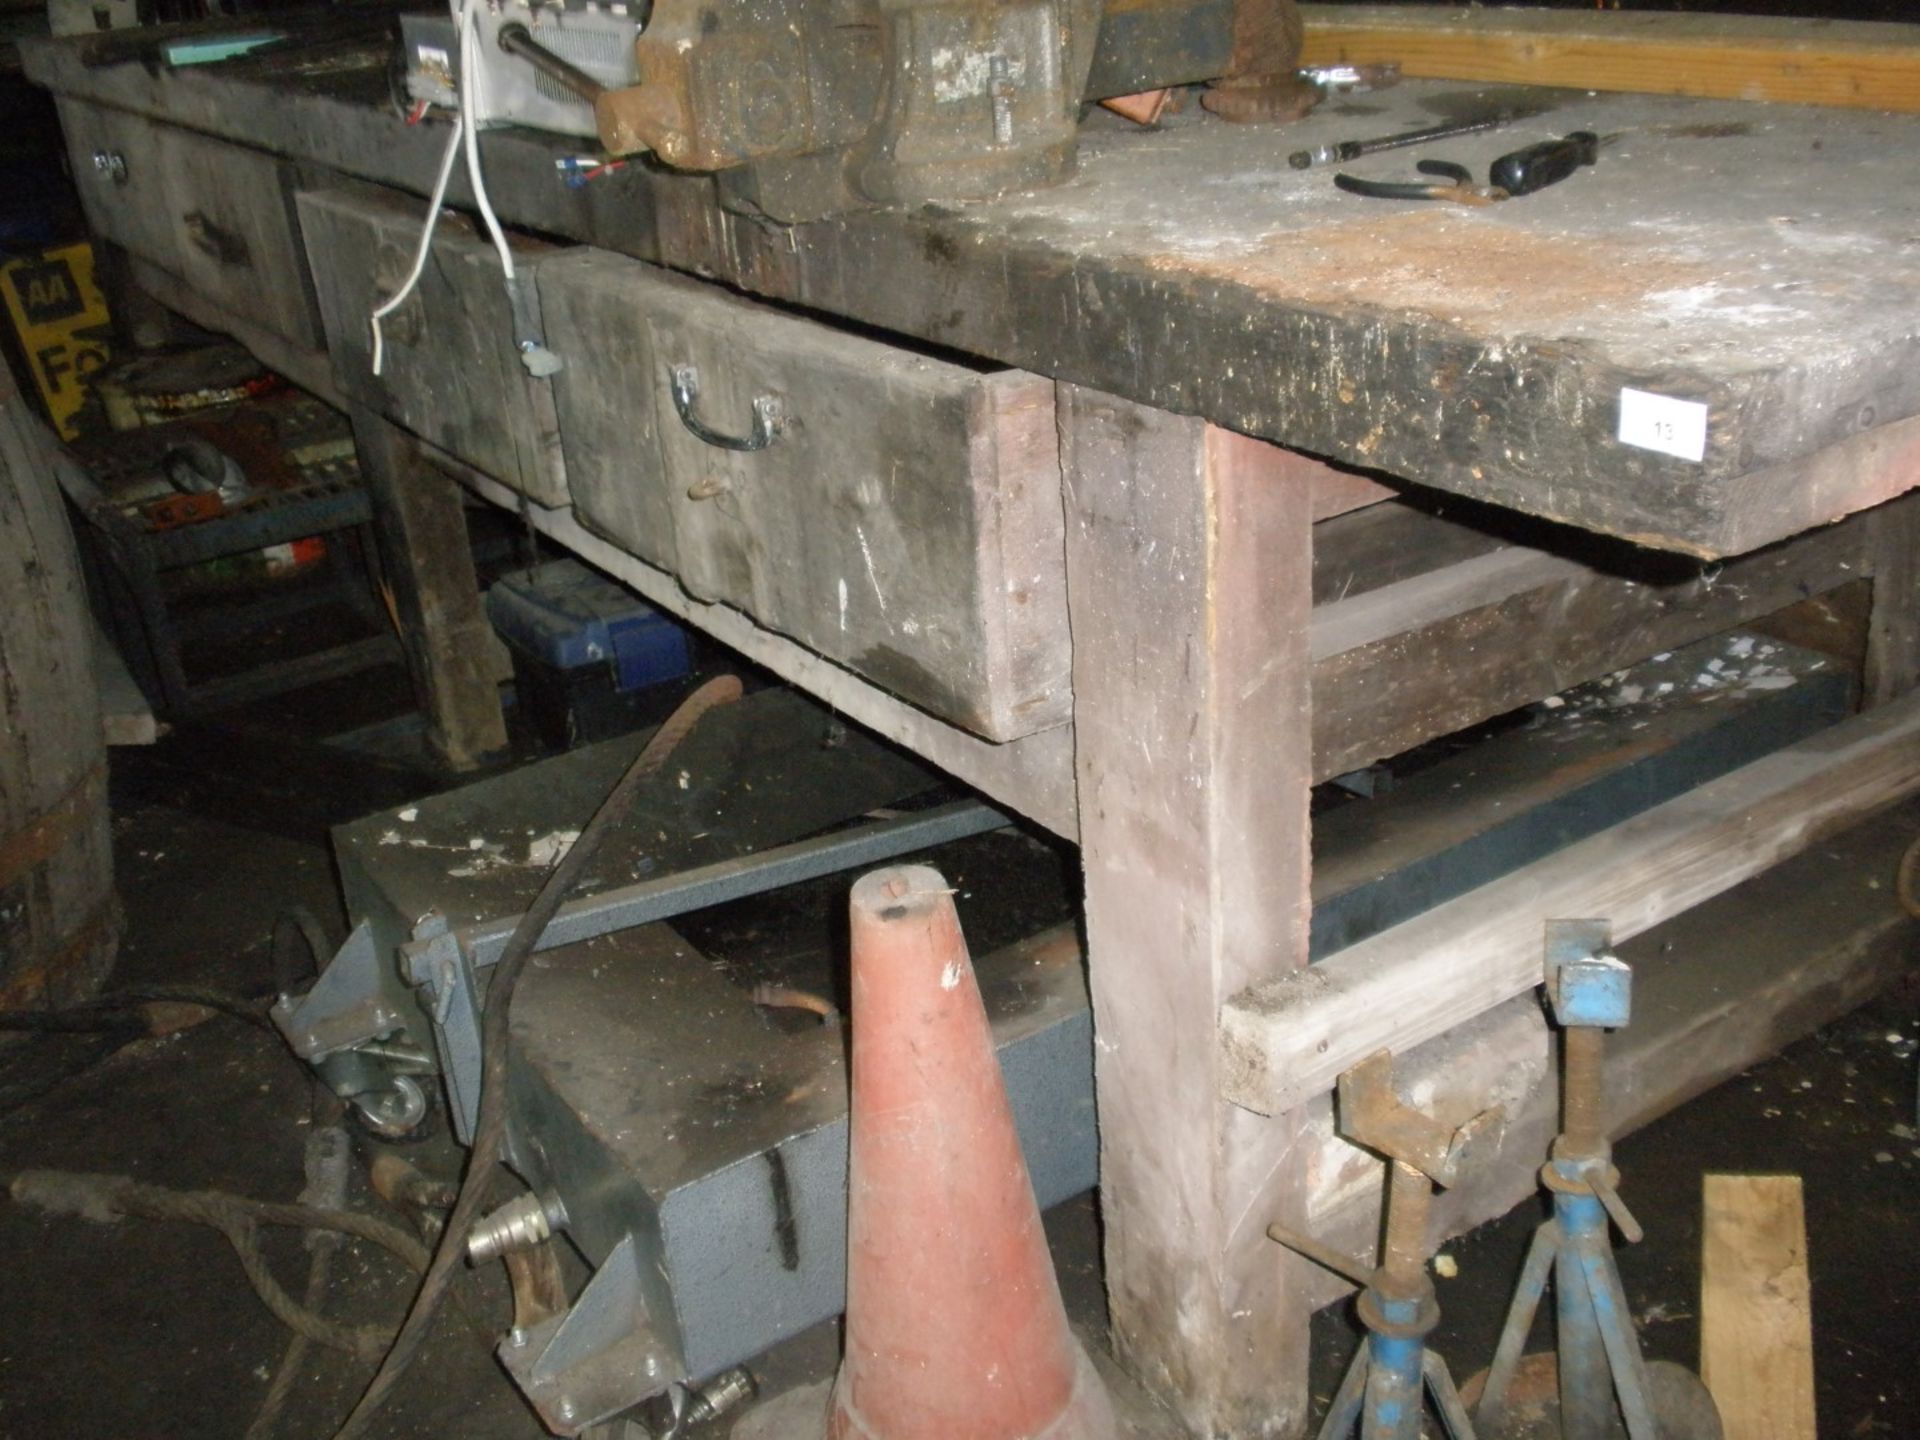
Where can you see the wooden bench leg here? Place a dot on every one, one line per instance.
(1189, 586)
(1893, 625)
(421, 527)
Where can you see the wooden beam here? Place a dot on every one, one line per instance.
(1871, 66)
(1382, 545)
(1892, 663)
(1339, 492)
(1756, 1306)
(1437, 652)
(1188, 572)
(1715, 990)
(1287, 1040)
(421, 525)
(1032, 776)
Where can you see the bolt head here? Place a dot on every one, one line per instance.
(565, 1410)
(517, 1338)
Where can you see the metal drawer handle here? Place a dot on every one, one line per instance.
(766, 414)
(112, 164)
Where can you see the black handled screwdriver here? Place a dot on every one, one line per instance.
(1354, 149)
(1521, 172)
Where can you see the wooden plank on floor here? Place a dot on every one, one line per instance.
(1871, 66)
(1286, 1041)
(1756, 1307)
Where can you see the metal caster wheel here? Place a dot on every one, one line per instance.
(395, 1112)
(1682, 1408)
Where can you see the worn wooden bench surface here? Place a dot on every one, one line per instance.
(1762, 261)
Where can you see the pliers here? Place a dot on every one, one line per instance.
(1455, 183)
(1521, 172)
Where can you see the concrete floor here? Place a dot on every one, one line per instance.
(147, 1329)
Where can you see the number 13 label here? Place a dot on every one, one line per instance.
(1660, 422)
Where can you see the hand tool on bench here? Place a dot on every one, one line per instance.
(1353, 149)
(1519, 172)
(1450, 182)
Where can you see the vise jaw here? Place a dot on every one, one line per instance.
(806, 108)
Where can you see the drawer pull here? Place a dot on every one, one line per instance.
(766, 414)
(222, 246)
(112, 164)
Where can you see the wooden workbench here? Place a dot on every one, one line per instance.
(1754, 272)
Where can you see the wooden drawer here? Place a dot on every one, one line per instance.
(122, 179)
(238, 236)
(904, 520)
(218, 215)
(451, 374)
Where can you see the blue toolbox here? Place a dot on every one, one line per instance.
(590, 657)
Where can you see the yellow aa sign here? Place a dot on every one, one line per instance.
(61, 318)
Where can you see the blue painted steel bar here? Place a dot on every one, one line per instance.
(1616, 1329)
(1446, 1399)
(1603, 1376)
(1586, 1380)
(269, 520)
(1395, 1365)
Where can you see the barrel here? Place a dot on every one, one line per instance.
(59, 920)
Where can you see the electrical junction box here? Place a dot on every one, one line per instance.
(507, 90)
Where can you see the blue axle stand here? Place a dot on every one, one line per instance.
(1384, 1393)
(1603, 1379)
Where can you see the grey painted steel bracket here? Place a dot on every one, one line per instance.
(594, 1359)
(347, 1005)
(439, 963)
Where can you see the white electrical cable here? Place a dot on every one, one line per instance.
(434, 207)
(469, 76)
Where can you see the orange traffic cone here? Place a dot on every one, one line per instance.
(955, 1329)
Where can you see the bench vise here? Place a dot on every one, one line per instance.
(807, 108)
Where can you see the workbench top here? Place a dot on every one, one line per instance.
(1760, 261)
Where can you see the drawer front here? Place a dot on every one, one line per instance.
(904, 520)
(451, 373)
(231, 210)
(121, 176)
